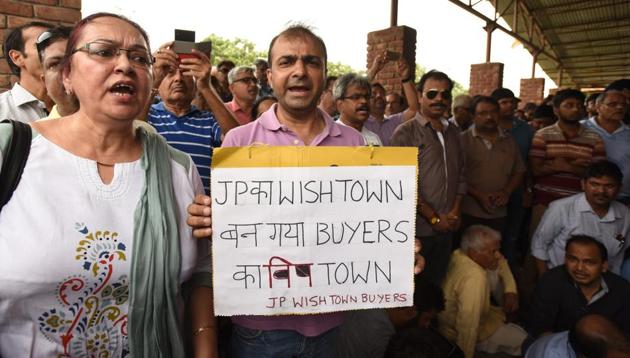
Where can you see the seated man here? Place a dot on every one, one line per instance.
(581, 286)
(591, 336)
(594, 213)
(366, 333)
(469, 318)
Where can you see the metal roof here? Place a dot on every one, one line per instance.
(579, 43)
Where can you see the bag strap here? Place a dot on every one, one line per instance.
(14, 159)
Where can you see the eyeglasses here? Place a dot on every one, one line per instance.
(42, 40)
(104, 51)
(432, 94)
(247, 80)
(356, 97)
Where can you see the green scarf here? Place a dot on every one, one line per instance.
(153, 325)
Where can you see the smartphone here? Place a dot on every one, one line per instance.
(393, 55)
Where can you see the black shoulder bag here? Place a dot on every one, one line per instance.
(14, 159)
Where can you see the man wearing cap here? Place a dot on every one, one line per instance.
(25, 101)
(520, 199)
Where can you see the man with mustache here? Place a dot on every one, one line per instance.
(244, 88)
(494, 168)
(379, 123)
(608, 123)
(442, 183)
(184, 126)
(352, 95)
(582, 286)
(594, 213)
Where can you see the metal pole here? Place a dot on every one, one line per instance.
(489, 28)
(534, 59)
(559, 81)
(393, 20)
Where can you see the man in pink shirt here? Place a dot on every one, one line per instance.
(297, 74)
(244, 88)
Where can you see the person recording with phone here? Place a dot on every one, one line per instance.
(176, 79)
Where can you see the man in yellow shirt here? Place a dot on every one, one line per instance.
(476, 273)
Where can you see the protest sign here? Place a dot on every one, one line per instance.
(299, 230)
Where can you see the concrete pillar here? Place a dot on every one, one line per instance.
(532, 90)
(15, 13)
(485, 77)
(399, 39)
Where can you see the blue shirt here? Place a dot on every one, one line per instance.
(617, 150)
(195, 133)
(523, 134)
(551, 346)
(574, 216)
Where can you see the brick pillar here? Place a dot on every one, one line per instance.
(399, 39)
(16, 13)
(485, 78)
(532, 90)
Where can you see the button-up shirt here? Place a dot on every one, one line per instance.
(468, 316)
(267, 129)
(551, 346)
(558, 302)
(20, 105)
(489, 168)
(574, 216)
(441, 165)
(386, 128)
(617, 150)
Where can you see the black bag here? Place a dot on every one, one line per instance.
(14, 159)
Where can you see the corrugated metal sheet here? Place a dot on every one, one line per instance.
(590, 38)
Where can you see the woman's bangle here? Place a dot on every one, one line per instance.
(202, 329)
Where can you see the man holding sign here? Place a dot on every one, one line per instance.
(297, 59)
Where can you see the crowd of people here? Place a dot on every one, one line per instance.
(522, 218)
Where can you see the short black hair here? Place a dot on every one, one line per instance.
(543, 111)
(14, 40)
(619, 85)
(55, 34)
(604, 168)
(330, 80)
(436, 75)
(565, 94)
(378, 85)
(592, 97)
(257, 102)
(483, 99)
(588, 240)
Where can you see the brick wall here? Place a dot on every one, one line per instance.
(400, 39)
(485, 78)
(532, 90)
(16, 13)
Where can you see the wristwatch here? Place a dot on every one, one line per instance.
(435, 220)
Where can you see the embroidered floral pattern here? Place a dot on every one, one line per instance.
(89, 321)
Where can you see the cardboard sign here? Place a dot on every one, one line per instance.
(300, 230)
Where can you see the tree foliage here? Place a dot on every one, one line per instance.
(338, 69)
(241, 51)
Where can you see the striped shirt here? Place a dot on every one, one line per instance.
(195, 133)
(550, 143)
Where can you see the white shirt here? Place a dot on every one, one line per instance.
(574, 216)
(20, 105)
(369, 137)
(66, 246)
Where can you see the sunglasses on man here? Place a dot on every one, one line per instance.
(432, 94)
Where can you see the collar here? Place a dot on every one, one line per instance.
(582, 205)
(593, 122)
(424, 122)
(160, 107)
(22, 96)
(269, 121)
(54, 113)
(475, 134)
(603, 290)
(556, 126)
(234, 105)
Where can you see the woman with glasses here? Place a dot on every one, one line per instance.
(94, 243)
